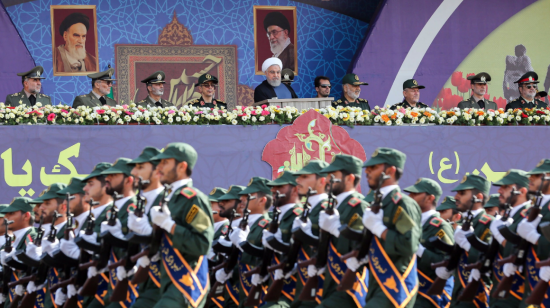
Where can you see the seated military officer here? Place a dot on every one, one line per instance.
(351, 90)
(102, 83)
(527, 86)
(207, 85)
(478, 84)
(155, 89)
(411, 94)
(30, 95)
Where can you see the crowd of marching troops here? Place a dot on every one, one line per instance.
(136, 233)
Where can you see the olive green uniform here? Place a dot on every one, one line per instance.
(359, 103)
(480, 223)
(405, 104)
(402, 219)
(349, 209)
(148, 103)
(90, 100)
(199, 102)
(521, 103)
(21, 99)
(434, 226)
(20, 246)
(471, 103)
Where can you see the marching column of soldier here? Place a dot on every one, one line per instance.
(136, 233)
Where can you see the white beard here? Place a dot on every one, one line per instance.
(274, 83)
(278, 46)
(76, 53)
(352, 94)
(158, 92)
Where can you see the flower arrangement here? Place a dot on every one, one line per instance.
(261, 115)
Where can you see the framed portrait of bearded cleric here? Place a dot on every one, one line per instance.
(74, 40)
(275, 35)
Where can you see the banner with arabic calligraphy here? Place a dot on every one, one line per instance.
(36, 156)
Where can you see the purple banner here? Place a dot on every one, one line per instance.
(36, 156)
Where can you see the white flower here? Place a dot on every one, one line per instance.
(38, 104)
(178, 119)
(234, 122)
(120, 121)
(105, 118)
(170, 120)
(518, 118)
(388, 123)
(76, 121)
(254, 119)
(377, 118)
(262, 118)
(195, 118)
(422, 120)
(481, 118)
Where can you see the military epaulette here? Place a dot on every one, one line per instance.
(436, 222)
(324, 204)
(298, 211)
(142, 101)
(395, 197)
(15, 94)
(224, 229)
(338, 101)
(485, 219)
(132, 207)
(219, 101)
(44, 95)
(28, 239)
(362, 100)
(354, 201)
(262, 223)
(188, 192)
(82, 95)
(523, 213)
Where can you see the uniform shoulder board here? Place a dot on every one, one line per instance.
(523, 213)
(15, 94)
(338, 101)
(395, 197)
(298, 211)
(219, 101)
(354, 201)
(324, 204)
(45, 95)
(436, 221)
(485, 219)
(28, 239)
(224, 229)
(131, 207)
(82, 95)
(262, 223)
(362, 100)
(142, 101)
(188, 192)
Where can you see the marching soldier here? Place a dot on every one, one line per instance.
(155, 89)
(348, 210)
(426, 193)
(221, 224)
(188, 230)
(513, 189)
(411, 94)
(207, 88)
(472, 194)
(397, 231)
(478, 85)
(448, 211)
(102, 83)
(351, 90)
(30, 95)
(77, 206)
(527, 86)
(492, 206)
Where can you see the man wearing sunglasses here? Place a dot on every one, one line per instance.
(102, 83)
(411, 95)
(322, 86)
(527, 86)
(207, 85)
(478, 85)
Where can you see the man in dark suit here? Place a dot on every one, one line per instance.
(478, 84)
(277, 27)
(272, 86)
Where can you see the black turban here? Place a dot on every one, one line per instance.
(72, 19)
(276, 19)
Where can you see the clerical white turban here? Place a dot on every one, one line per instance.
(271, 61)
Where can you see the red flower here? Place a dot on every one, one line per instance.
(456, 79)
(10, 107)
(51, 117)
(464, 87)
(523, 115)
(100, 111)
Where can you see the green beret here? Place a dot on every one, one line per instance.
(233, 193)
(388, 156)
(472, 181)
(313, 167)
(22, 204)
(344, 162)
(542, 167)
(286, 177)
(76, 186)
(447, 203)
(97, 170)
(146, 156)
(179, 151)
(121, 165)
(514, 176)
(51, 192)
(2, 208)
(425, 185)
(493, 201)
(256, 184)
(216, 193)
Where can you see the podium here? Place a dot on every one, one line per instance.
(299, 103)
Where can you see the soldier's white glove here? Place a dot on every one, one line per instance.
(509, 269)
(460, 238)
(92, 272)
(312, 270)
(60, 297)
(49, 247)
(222, 276)
(495, 224)
(162, 219)
(143, 261)
(330, 223)
(156, 257)
(544, 273)
(19, 290)
(238, 236)
(257, 280)
(443, 273)
(353, 264)
(420, 250)
(31, 287)
(528, 230)
(4, 256)
(2, 298)
(266, 234)
(306, 228)
(278, 274)
(139, 225)
(33, 251)
(115, 230)
(374, 222)
(475, 274)
(297, 223)
(71, 291)
(121, 273)
(224, 242)
(91, 238)
(69, 248)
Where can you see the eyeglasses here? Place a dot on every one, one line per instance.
(325, 86)
(274, 32)
(107, 82)
(208, 85)
(530, 86)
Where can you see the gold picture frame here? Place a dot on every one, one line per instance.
(58, 13)
(261, 44)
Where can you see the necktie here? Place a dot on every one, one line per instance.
(158, 104)
(481, 103)
(103, 100)
(32, 99)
